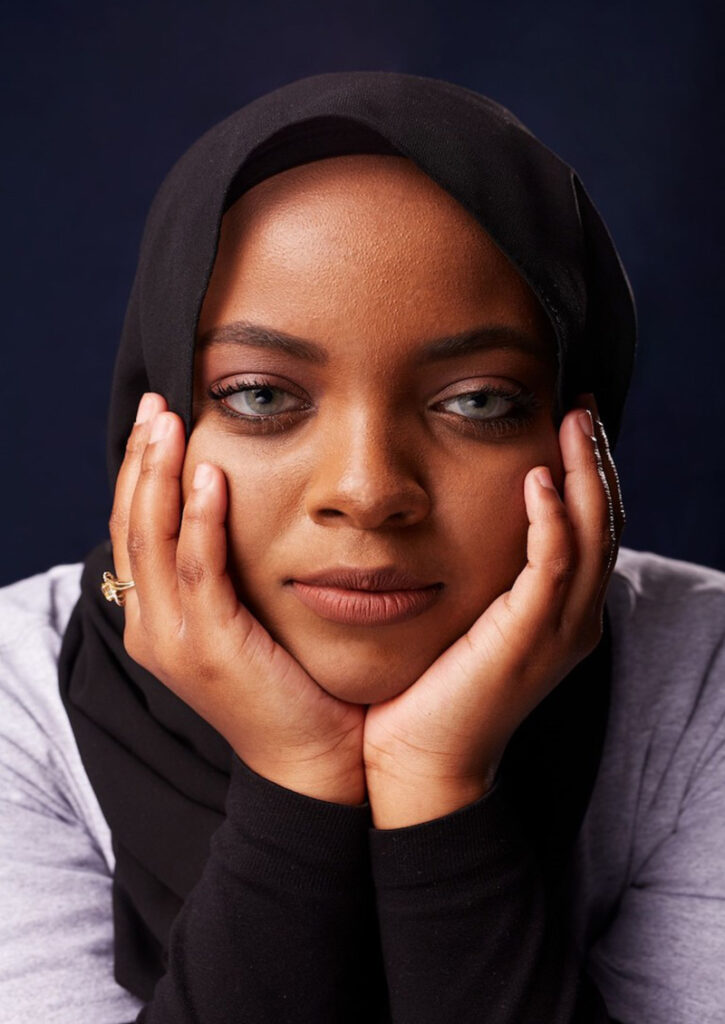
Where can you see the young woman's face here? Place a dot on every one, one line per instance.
(375, 380)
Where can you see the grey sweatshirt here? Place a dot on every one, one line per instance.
(649, 885)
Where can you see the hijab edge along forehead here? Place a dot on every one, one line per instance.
(531, 203)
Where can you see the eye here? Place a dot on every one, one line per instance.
(491, 412)
(255, 399)
(483, 404)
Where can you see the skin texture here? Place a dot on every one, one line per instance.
(407, 486)
(371, 462)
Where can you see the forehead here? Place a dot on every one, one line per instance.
(364, 244)
(353, 207)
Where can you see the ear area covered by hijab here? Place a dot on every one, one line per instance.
(149, 757)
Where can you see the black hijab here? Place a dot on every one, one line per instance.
(160, 772)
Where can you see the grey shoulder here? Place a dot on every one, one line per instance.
(34, 613)
(655, 577)
(674, 600)
(39, 604)
(669, 594)
(40, 766)
(668, 629)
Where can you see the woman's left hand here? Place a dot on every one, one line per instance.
(436, 747)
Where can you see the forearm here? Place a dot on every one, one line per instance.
(281, 925)
(468, 930)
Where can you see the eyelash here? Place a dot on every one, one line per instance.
(524, 410)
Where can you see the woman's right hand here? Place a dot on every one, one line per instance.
(186, 625)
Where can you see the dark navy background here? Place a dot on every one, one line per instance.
(100, 99)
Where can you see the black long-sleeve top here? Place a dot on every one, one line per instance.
(306, 914)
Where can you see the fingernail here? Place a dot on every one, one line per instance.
(544, 477)
(145, 408)
(587, 424)
(202, 476)
(160, 428)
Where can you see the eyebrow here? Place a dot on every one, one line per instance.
(491, 336)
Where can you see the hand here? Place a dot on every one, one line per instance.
(437, 746)
(186, 625)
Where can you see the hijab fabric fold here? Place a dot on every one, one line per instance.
(161, 772)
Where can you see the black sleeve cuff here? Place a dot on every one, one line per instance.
(482, 838)
(304, 843)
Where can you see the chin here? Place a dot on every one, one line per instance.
(365, 692)
(363, 684)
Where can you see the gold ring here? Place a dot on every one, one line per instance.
(113, 589)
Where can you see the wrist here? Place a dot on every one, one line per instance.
(333, 783)
(400, 802)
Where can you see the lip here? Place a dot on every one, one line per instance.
(366, 597)
(384, 577)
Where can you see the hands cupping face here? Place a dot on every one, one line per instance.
(185, 624)
(452, 726)
(572, 544)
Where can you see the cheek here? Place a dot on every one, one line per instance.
(486, 516)
(262, 500)
(258, 515)
(486, 526)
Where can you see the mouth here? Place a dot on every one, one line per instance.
(366, 597)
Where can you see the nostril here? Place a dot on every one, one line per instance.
(364, 506)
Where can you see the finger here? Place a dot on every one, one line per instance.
(150, 404)
(588, 499)
(208, 600)
(540, 590)
(617, 515)
(154, 521)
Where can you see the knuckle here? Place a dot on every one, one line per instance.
(560, 568)
(136, 543)
(194, 656)
(191, 570)
(196, 513)
(556, 513)
(150, 470)
(206, 671)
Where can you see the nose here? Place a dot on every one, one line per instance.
(365, 476)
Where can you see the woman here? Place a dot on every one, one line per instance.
(364, 714)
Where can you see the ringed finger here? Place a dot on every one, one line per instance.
(615, 511)
(150, 404)
(619, 517)
(154, 521)
(587, 495)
